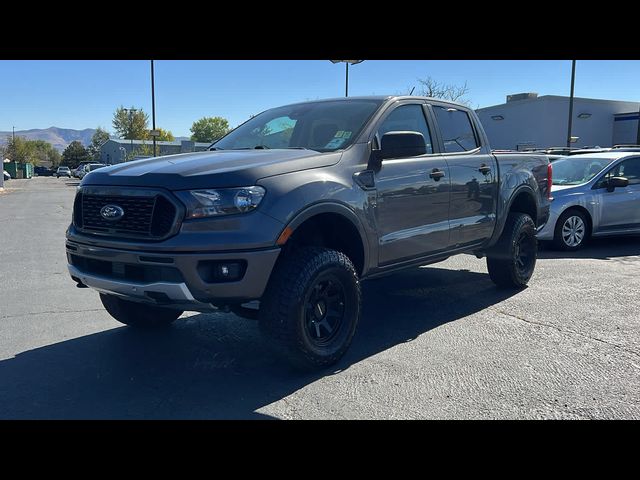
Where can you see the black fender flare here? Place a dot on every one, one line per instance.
(337, 208)
(502, 218)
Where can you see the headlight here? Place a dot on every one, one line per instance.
(223, 201)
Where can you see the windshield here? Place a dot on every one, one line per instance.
(320, 126)
(577, 170)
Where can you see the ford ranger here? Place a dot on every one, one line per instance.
(282, 218)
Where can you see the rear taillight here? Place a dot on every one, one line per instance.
(549, 180)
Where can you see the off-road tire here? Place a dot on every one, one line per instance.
(512, 260)
(291, 307)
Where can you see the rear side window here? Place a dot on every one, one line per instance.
(456, 129)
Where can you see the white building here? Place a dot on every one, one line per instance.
(527, 120)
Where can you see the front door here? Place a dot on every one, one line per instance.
(474, 178)
(412, 213)
(620, 209)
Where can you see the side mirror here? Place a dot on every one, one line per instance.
(402, 145)
(617, 182)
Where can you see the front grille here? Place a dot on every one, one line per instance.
(125, 271)
(147, 215)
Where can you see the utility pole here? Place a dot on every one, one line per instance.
(573, 79)
(638, 135)
(153, 107)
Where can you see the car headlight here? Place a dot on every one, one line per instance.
(220, 201)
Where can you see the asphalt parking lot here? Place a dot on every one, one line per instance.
(439, 342)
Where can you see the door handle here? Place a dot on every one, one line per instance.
(484, 169)
(436, 174)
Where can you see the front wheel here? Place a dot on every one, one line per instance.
(138, 315)
(571, 232)
(513, 259)
(312, 306)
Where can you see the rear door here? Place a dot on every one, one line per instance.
(474, 177)
(412, 202)
(620, 209)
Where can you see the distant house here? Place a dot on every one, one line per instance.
(115, 150)
(529, 121)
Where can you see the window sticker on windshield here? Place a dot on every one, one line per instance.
(346, 134)
(335, 143)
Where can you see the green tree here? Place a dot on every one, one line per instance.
(36, 152)
(54, 157)
(165, 135)
(208, 129)
(97, 140)
(74, 154)
(131, 124)
(19, 149)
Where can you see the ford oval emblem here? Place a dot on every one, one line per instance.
(112, 212)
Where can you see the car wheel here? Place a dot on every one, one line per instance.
(311, 307)
(138, 315)
(512, 260)
(572, 230)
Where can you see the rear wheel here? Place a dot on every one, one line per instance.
(513, 259)
(312, 306)
(572, 230)
(138, 315)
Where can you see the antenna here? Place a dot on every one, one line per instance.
(411, 92)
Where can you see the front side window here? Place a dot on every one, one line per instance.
(629, 169)
(407, 118)
(456, 129)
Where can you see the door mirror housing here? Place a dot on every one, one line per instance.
(402, 144)
(617, 182)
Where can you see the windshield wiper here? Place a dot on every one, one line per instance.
(257, 147)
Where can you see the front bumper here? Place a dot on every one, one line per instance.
(184, 288)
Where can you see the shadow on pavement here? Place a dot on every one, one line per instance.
(216, 365)
(604, 248)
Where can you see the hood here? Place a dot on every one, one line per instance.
(210, 169)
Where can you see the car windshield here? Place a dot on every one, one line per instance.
(577, 170)
(322, 126)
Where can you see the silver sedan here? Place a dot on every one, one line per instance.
(594, 194)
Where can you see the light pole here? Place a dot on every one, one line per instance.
(638, 134)
(573, 79)
(153, 107)
(346, 72)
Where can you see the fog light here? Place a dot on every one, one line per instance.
(230, 271)
(212, 271)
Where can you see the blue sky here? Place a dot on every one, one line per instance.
(83, 94)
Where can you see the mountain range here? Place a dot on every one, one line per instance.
(58, 137)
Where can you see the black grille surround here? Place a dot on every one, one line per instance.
(149, 214)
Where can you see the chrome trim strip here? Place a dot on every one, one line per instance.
(177, 292)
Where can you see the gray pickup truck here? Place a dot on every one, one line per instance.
(281, 219)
